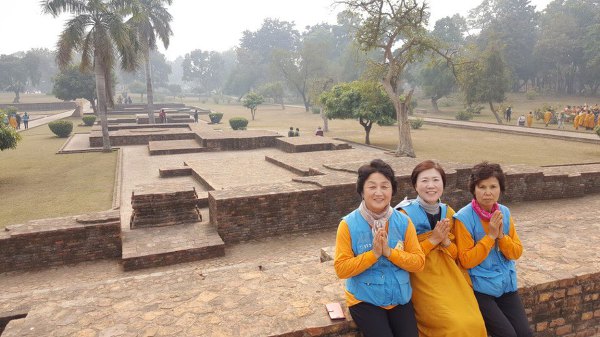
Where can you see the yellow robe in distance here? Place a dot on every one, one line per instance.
(444, 303)
(529, 120)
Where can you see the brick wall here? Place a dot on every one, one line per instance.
(23, 107)
(564, 308)
(52, 242)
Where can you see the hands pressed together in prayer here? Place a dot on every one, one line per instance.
(496, 226)
(439, 235)
(380, 243)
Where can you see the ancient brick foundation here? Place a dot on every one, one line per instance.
(53, 242)
(23, 107)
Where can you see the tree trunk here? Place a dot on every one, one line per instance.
(405, 146)
(17, 98)
(367, 125)
(325, 121)
(94, 107)
(306, 102)
(434, 101)
(101, 93)
(498, 119)
(253, 112)
(149, 91)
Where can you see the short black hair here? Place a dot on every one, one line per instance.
(375, 166)
(483, 171)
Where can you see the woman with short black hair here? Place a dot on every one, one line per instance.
(488, 246)
(376, 248)
(443, 301)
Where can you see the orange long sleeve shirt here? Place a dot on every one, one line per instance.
(471, 253)
(427, 246)
(411, 259)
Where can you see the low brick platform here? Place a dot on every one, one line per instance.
(162, 246)
(141, 136)
(168, 172)
(172, 117)
(166, 147)
(309, 144)
(163, 205)
(237, 139)
(58, 241)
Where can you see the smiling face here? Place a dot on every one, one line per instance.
(377, 192)
(430, 185)
(487, 192)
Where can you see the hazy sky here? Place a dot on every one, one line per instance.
(207, 25)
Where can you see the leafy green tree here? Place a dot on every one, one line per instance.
(273, 90)
(16, 72)
(514, 23)
(150, 21)
(71, 83)
(175, 90)
(138, 87)
(97, 31)
(251, 101)
(486, 80)
(205, 69)
(397, 28)
(437, 80)
(362, 100)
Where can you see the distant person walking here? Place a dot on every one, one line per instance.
(26, 121)
(508, 113)
(529, 119)
(196, 116)
(547, 117)
(13, 121)
(291, 132)
(561, 119)
(18, 118)
(297, 133)
(521, 120)
(162, 116)
(319, 132)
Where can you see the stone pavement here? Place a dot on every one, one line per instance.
(260, 288)
(510, 128)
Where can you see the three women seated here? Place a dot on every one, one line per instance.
(420, 269)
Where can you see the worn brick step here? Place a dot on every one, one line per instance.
(142, 221)
(164, 204)
(162, 246)
(167, 172)
(175, 147)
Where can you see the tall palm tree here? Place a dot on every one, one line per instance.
(150, 20)
(98, 31)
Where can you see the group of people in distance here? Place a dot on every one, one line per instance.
(583, 116)
(15, 120)
(421, 269)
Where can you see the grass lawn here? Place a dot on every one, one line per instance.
(7, 97)
(36, 183)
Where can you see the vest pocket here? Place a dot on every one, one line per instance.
(402, 291)
(489, 283)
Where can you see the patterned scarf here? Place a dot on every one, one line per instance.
(431, 209)
(375, 220)
(483, 214)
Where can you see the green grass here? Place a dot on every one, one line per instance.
(7, 97)
(35, 182)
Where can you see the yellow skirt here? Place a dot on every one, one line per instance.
(444, 302)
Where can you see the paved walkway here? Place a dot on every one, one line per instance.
(45, 120)
(506, 128)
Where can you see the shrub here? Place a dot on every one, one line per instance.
(464, 115)
(597, 130)
(61, 128)
(215, 117)
(315, 110)
(88, 120)
(8, 137)
(386, 121)
(474, 109)
(11, 110)
(531, 95)
(238, 123)
(416, 123)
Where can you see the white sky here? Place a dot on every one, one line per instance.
(207, 25)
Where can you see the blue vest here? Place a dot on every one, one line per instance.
(496, 275)
(383, 283)
(417, 214)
